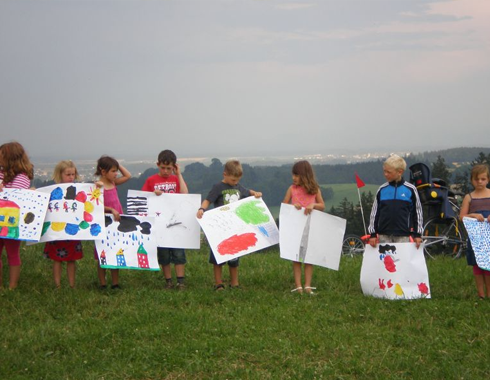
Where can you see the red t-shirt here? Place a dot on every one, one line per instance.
(168, 184)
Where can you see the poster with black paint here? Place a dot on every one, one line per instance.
(128, 244)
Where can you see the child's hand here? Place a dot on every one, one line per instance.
(488, 219)
(298, 206)
(117, 216)
(258, 194)
(479, 217)
(99, 184)
(1, 185)
(177, 170)
(200, 213)
(309, 208)
(373, 241)
(158, 192)
(418, 241)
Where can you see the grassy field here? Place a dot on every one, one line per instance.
(261, 331)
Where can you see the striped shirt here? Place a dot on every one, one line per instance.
(20, 181)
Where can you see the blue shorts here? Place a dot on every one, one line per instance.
(167, 256)
(233, 263)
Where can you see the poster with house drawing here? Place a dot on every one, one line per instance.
(128, 244)
(312, 239)
(175, 217)
(22, 214)
(239, 228)
(75, 212)
(479, 234)
(395, 271)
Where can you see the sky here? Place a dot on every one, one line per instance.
(79, 79)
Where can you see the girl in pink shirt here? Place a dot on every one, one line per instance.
(16, 172)
(305, 194)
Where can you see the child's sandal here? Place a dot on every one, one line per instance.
(309, 290)
(299, 290)
(219, 287)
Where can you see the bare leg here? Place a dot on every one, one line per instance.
(180, 270)
(297, 275)
(480, 285)
(101, 275)
(308, 277)
(14, 272)
(487, 284)
(233, 276)
(114, 277)
(71, 268)
(57, 273)
(1, 271)
(218, 278)
(167, 271)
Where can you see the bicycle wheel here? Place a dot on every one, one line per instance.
(352, 245)
(443, 237)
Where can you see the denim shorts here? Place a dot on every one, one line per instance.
(167, 256)
(233, 263)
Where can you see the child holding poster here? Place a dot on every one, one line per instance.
(16, 172)
(304, 193)
(169, 179)
(64, 250)
(477, 205)
(225, 192)
(107, 170)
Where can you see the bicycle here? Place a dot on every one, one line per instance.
(443, 232)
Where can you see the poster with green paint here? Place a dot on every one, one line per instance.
(239, 228)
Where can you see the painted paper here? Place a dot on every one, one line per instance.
(239, 228)
(175, 217)
(395, 271)
(479, 234)
(75, 212)
(312, 239)
(128, 244)
(22, 213)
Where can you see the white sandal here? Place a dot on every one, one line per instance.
(299, 289)
(309, 290)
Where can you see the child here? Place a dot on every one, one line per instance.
(16, 172)
(477, 205)
(223, 193)
(169, 179)
(64, 250)
(397, 213)
(304, 192)
(107, 169)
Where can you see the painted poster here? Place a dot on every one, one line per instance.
(128, 244)
(175, 217)
(312, 239)
(22, 214)
(479, 234)
(75, 212)
(395, 271)
(239, 228)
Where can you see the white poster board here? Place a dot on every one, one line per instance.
(175, 217)
(395, 271)
(75, 212)
(239, 228)
(312, 239)
(128, 244)
(22, 214)
(479, 234)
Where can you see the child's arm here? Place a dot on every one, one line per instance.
(182, 184)
(287, 197)
(205, 204)
(110, 210)
(126, 175)
(318, 205)
(465, 208)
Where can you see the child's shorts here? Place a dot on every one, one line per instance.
(13, 251)
(477, 271)
(233, 263)
(167, 256)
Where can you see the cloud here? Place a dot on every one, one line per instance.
(294, 6)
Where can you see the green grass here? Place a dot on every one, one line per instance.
(349, 191)
(259, 332)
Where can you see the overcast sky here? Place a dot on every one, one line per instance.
(229, 77)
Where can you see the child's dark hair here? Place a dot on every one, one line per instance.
(306, 175)
(106, 163)
(167, 157)
(15, 161)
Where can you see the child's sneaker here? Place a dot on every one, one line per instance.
(169, 285)
(180, 286)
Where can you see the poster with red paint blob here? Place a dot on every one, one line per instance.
(312, 239)
(239, 228)
(395, 271)
(75, 212)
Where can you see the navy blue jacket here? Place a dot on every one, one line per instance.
(396, 211)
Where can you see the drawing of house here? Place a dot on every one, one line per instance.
(142, 257)
(9, 219)
(121, 261)
(103, 259)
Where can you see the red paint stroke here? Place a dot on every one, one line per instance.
(423, 288)
(389, 264)
(81, 197)
(390, 284)
(237, 243)
(381, 283)
(87, 217)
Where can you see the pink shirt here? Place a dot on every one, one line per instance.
(112, 200)
(299, 195)
(20, 181)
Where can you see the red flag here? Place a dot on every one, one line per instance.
(359, 182)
